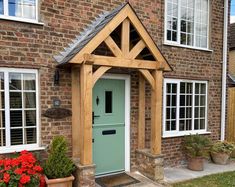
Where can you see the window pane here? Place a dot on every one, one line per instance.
(30, 117)
(31, 136)
(16, 118)
(173, 113)
(202, 124)
(15, 100)
(15, 81)
(168, 113)
(108, 101)
(2, 100)
(29, 81)
(173, 125)
(2, 119)
(173, 102)
(1, 81)
(168, 100)
(196, 111)
(182, 125)
(182, 100)
(182, 87)
(168, 125)
(203, 89)
(174, 88)
(1, 7)
(23, 8)
(202, 112)
(202, 100)
(182, 112)
(30, 100)
(16, 137)
(196, 124)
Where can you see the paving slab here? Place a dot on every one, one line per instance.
(179, 174)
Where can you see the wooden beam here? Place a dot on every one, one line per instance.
(141, 113)
(147, 39)
(86, 113)
(113, 47)
(156, 113)
(99, 72)
(147, 75)
(102, 35)
(121, 62)
(125, 37)
(136, 50)
(76, 125)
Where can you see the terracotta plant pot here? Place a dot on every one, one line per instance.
(220, 158)
(196, 163)
(60, 182)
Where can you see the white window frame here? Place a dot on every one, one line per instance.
(177, 43)
(176, 132)
(15, 18)
(8, 148)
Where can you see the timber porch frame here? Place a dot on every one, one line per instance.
(83, 80)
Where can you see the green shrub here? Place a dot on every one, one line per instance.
(223, 147)
(58, 165)
(196, 145)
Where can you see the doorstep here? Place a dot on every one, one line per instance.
(144, 181)
(179, 174)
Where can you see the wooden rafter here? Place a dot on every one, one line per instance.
(113, 47)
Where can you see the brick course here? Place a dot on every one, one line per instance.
(33, 46)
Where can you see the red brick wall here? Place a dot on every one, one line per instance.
(33, 46)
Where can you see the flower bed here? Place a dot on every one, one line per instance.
(23, 170)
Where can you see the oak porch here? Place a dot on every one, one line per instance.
(128, 53)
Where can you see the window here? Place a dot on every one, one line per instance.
(19, 9)
(18, 109)
(187, 22)
(185, 106)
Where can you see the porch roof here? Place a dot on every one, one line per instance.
(96, 27)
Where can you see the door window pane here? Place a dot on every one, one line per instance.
(31, 135)
(30, 100)
(108, 101)
(29, 81)
(15, 100)
(15, 81)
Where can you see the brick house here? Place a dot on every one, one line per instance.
(143, 74)
(231, 67)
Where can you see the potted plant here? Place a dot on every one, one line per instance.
(21, 169)
(221, 151)
(59, 167)
(196, 149)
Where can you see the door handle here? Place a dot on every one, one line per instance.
(94, 116)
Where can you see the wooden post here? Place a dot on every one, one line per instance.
(156, 113)
(86, 114)
(141, 115)
(76, 123)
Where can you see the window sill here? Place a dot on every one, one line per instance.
(179, 134)
(13, 149)
(23, 20)
(185, 46)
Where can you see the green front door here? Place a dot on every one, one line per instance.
(108, 126)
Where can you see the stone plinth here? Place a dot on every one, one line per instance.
(84, 175)
(150, 165)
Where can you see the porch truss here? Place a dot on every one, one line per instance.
(127, 51)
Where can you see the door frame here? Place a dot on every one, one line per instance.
(127, 79)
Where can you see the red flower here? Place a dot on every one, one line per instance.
(31, 172)
(18, 171)
(42, 181)
(15, 162)
(37, 168)
(24, 179)
(6, 177)
(24, 152)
